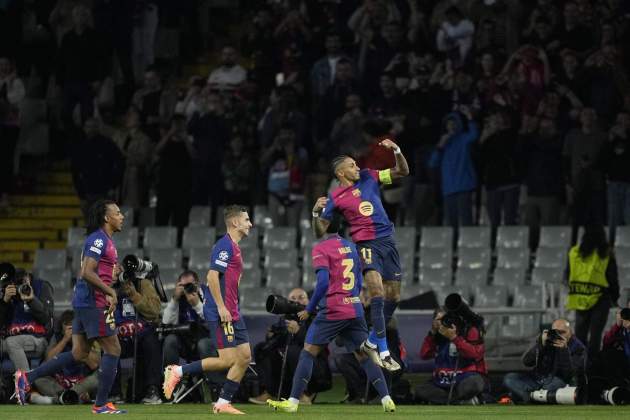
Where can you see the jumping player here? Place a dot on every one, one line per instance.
(339, 279)
(94, 301)
(358, 199)
(227, 328)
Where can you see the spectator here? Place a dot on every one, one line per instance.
(615, 161)
(288, 335)
(347, 134)
(146, 20)
(230, 74)
(96, 164)
(11, 96)
(150, 99)
(460, 368)
(285, 162)
(76, 382)
(284, 109)
(137, 151)
(174, 191)
(593, 286)
(238, 170)
(452, 157)
(324, 70)
(572, 33)
(26, 316)
(585, 180)
(137, 314)
(455, 36)
(499, 155)
(186, 308)
(556, 360)
(189, 102)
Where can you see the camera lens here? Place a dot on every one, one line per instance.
(25, 289)
(190, 288)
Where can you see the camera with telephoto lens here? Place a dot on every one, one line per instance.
(625, 314)
(458, 313)
(134, 267)
(280, 305)
(190, 288)
(552, 337)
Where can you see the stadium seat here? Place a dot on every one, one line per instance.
(622, 256)
(513, 258)
(253, 299)
(169, 278)
(308, 280)
(307, 259)
(167, 258)
(59, 278)
(474, 258)
(123, 252)
(508, 276)
(282, 279)
(551, 257)
(280, 258)
(624, 276)
(528, 296)
(262, 217)
(251, 241)
(471, 276)
(198, 237)
(407, 266)
(512, 237)
(307, 238)
(252, 278)
(541, 275)
(520, 326)
(199, 260)
(555, 237)
(622, 237)
(76, 237)
(127, 238)
(199, 216)
(50, 258)
(436, 237)
(280, 238)
(490, 296)
(442, 292)
(75, 262)
(412, 290)
(405, 238)
(156, 237)
(474, 237)
(130, 215)
(436, 258)
(438, 277)
(146, 217)
(251, 259)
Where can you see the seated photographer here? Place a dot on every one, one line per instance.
(137, 314)
(26, 311)
(455, 342)
(558, 359)
(186, 308)
(611, 367)
(353, 373)
(269, 355)
(76, 382)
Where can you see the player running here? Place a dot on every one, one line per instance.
(339, 281)
(227, 328)
(94, 302)
(358, 199)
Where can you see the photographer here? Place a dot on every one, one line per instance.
(455, 341)
(269, 355)
(557, 359)
(137, 313)
(26, 310)
(76, 382)
(186, 308)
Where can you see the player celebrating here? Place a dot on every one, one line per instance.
(358, 199)
(339, 281)
(94, 302)
(227, 328)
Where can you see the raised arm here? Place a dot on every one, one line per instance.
(401, 169)
(319, 225)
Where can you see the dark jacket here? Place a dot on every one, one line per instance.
(499, 154)
(542, 165)
(37, 319)
(97, 166)
(567, 363)
(615, 160)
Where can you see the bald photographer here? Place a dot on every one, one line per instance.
(26, 311)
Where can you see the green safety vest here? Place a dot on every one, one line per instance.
(587, 279)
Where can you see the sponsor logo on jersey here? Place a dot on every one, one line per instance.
(366, 208)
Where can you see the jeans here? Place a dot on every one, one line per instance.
(21, 348)
(592, 321)
(503, 201)
(618, 206)
(458, 209)
(522, 384)
(466, 389)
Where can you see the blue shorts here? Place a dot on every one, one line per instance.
(228, 334)
(381, 255)
(352, 331)
(93, 322)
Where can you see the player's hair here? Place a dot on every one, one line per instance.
(335, 225)
(96, 215)
(232, 211)
(334, 164)
(187, 273)
(66, 318)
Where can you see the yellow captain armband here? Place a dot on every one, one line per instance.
(385, 176)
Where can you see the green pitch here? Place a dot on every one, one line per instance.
(326, 411)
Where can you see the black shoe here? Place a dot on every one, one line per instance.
(152, 397)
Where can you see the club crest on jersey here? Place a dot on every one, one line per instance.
(356, 192)
(366, 208)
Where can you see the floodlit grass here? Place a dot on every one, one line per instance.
(328, 411)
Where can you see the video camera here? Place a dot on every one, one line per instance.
(279, 305)
(10, 276)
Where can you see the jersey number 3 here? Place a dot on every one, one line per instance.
(348, 275)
